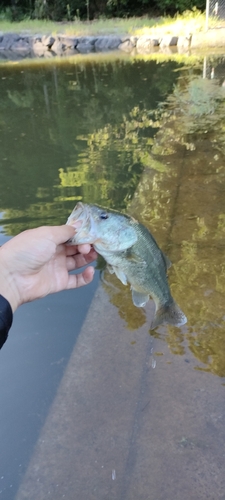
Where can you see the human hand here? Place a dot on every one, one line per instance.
(37, 262)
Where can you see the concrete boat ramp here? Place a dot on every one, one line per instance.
(130, 420)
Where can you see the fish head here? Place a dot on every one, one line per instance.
(103, 228)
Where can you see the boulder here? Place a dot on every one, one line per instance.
(146, 43)
(21, 47)
(127, 45)
(8, 40)
(87, 39)
(38, 49)
(69, 42)
(86, 44)
(7, 55)
(58, 47)
(48, 54)
(70, 52)
(105, 43)
(169, 41)
(47, 41)
(184, 41)
(85, 47)
(36, 38)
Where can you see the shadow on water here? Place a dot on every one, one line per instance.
(95, 132)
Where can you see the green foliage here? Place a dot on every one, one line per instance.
(174, 6)
(79, 9)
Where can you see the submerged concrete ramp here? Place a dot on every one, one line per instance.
(130, 421)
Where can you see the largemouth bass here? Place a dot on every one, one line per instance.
(132, 253)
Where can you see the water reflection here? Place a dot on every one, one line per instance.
(72, 132)
(185, 207)
(102, 150)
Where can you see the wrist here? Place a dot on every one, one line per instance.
(8, 288)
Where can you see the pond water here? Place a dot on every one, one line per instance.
(94, 405)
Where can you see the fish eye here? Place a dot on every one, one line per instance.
(104, 215)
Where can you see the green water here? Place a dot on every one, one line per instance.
(137, 135)
(74, 132)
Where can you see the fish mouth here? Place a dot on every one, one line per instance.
(82, 221)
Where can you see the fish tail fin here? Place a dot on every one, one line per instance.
(169, 313)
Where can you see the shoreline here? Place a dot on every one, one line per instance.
(21, 46)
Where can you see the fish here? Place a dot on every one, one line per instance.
(132, 253)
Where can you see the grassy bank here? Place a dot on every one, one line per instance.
(188, 22)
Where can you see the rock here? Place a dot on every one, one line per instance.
(184, 41)
(16, 46)
(47, 41)
(48, 54)
(69, 42)
(169, 41)
(36, 38)
(58, 47)
(38, 49)
(107, 43)
(8, 40)
(5, 55)
(146, 43)
(87, 39)
(21, 47)
(26, 38)
(132, 38)
(85, 47)
(127, 45)
(9, 55)
(70, 52)
(86, 44)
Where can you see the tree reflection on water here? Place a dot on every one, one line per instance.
(164, 165)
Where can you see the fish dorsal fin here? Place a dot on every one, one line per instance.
(167, 261)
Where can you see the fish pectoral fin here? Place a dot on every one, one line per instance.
(110, 269)
(139, 299)
(119, 273)
(171, 314)
(133, 257)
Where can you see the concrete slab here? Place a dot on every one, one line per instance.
(130, 421)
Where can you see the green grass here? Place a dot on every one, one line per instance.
(188, 22)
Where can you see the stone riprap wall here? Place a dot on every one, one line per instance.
(19, 46)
